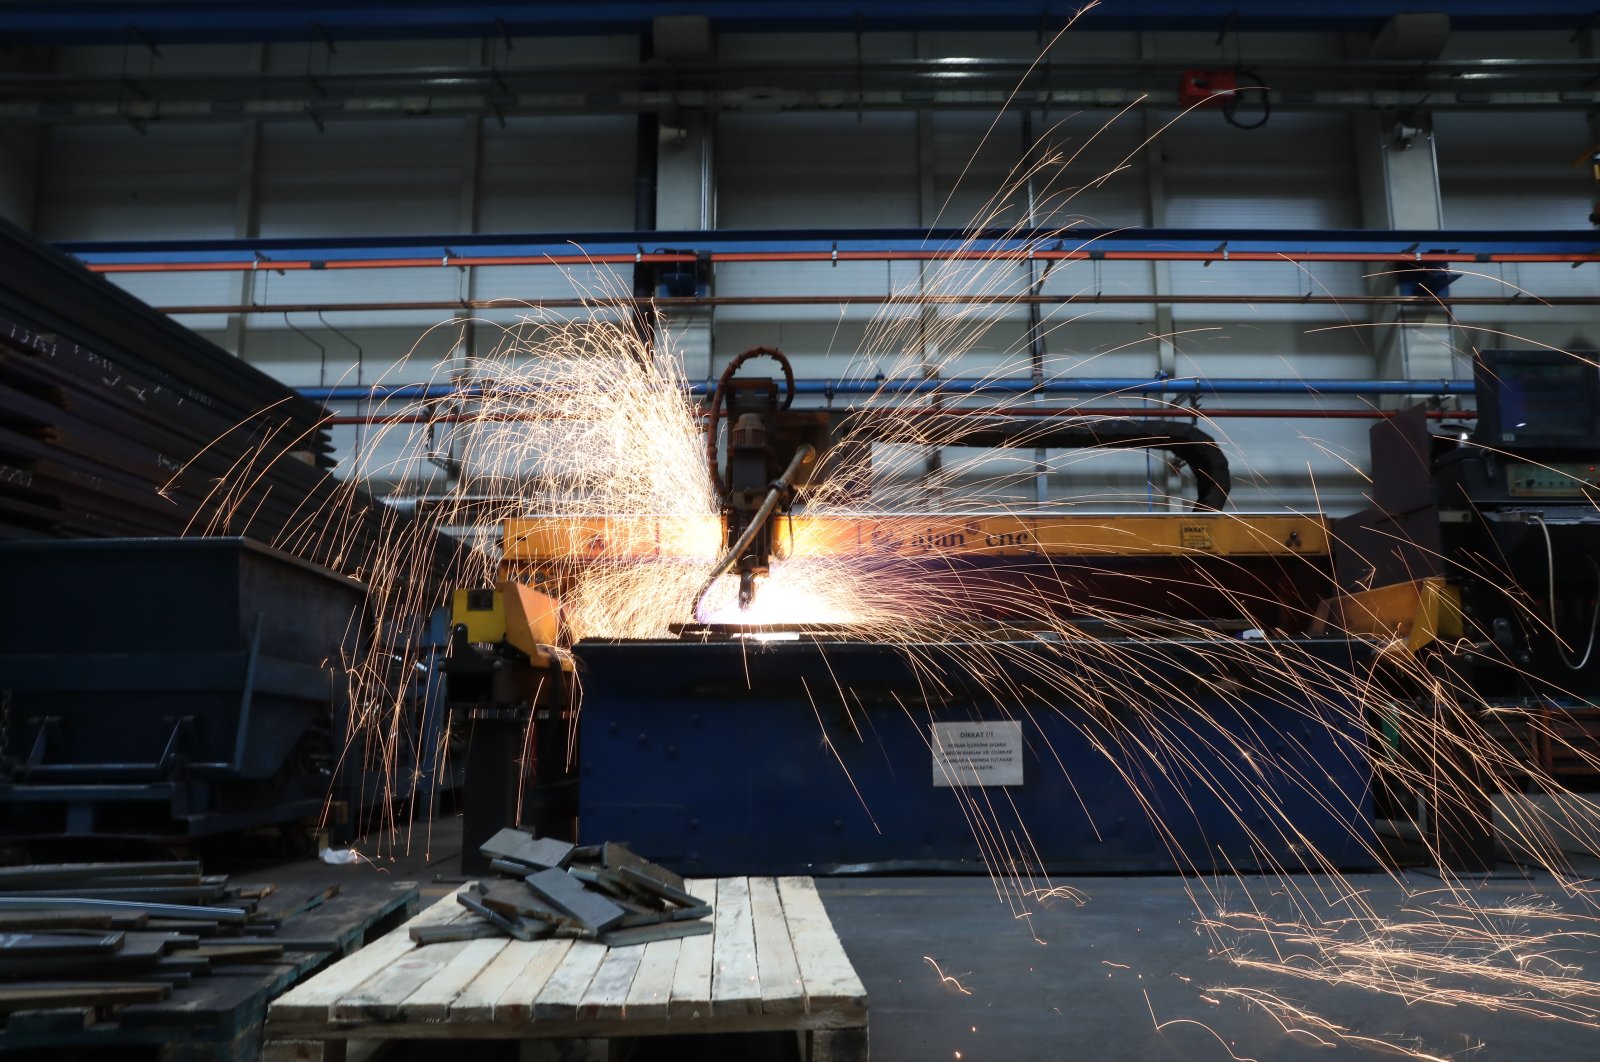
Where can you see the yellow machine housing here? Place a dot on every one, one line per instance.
(515, 614)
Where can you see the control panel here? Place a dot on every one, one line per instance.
(1557, 479)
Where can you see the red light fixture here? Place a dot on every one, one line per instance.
(1208, 88)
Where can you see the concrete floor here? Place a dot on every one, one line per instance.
(1093, 978)
(1097, 978)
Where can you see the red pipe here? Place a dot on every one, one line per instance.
(979, 299)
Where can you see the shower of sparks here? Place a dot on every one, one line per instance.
(1163, 1026)
(1074, 896)
(578, 421)
(947, 979)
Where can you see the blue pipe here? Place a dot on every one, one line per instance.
(1073, 385)
(1397, 243)
(168, 22)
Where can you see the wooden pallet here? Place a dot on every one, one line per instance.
(218, 1016)
(772, 963)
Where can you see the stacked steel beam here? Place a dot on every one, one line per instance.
(116, 421)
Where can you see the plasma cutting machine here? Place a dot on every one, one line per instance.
(773, 451)
(1213, 690)
(984, 739)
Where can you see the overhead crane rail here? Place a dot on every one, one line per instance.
(1101, 385)
(942, 246)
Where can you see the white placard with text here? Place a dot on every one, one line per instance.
(977, 753)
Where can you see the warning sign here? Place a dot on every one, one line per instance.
(977, 753)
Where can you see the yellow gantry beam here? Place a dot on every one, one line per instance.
(539, 539)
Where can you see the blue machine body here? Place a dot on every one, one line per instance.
(812, 756)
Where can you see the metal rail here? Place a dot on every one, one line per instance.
(1073, 411)
(1103, 385)
(151, 23)
(1095, 298)
(1212, 256)
(1208, 246)
(627, 87)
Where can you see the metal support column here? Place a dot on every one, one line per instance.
(1036, 339)
(1399, 178)
(1589, 48)
(469, 210)
(246, 216)
(685, 200)
(685, 195)
(928, 316)
(1160, 271)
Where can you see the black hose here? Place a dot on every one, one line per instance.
(1184, 441)
(1230, 110)
(716, 402)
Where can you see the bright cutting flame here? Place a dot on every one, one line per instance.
(801, 591)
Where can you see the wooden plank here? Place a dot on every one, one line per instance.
(691, 981)
(314, 1000)
(607, 994)
(781, 989)
(652, 985)
(431, 1001)
(516, 1005)
(829, 979)
(735, 980)
(380, 996)
(559, 998)
(506, 988)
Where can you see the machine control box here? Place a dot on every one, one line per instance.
(1557, 479)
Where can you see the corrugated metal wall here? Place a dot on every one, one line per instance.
(838, 169)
